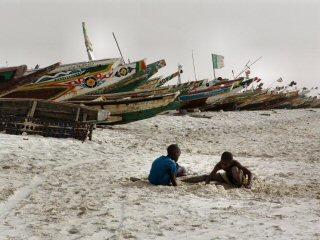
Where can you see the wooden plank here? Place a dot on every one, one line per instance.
(78, 114)
(33, 109)
(85, 117)
(24, 107)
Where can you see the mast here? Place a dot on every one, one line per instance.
(179, 73)
(87, 43)
(118, 47)
(194, 67)
(245, 68)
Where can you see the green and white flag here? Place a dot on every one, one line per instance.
(217, 61)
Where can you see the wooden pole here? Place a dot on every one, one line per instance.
(245, 68)
(87, 42)
(179, 72)
(118, 47)
(194, 67)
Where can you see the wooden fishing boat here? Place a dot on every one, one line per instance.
(151, 83)
(46, 118)
(7, 87)
(64, 85)
(158, 81)
(267, 101)
(231, 103)
(137, 93)
(132, 82)
(169, 78)
(238, 85)
(302, 102)
(122, 95)
(315, 103)
(282, 102)
(198, 98)
(79, 65)
(132, 109)
(257, 98)
(8, 73)
(186, 87)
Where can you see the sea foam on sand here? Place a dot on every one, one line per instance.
(64, 189)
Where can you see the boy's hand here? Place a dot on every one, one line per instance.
(207, 180)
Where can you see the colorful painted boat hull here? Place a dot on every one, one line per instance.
(237, 86)
(9, 86)
(133, 82)
(158, 82)
(196, 99)
(134, 109)
(64, 85)
(230, 103)
(7, 74)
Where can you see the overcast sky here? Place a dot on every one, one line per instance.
(285, 32)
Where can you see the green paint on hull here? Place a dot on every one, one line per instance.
(131, 86)
(135, 81)
(6, 76)
(144, 114)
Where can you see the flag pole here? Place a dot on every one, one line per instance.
(118, 47)
(214, 69)
(194, 67)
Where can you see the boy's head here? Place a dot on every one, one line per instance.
(226, 159)
(174, 152)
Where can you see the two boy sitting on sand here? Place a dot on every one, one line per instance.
(165, 169)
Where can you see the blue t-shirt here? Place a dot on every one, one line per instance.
(161, 170)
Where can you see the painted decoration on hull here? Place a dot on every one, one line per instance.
(65, 85)
(123, 71)
(134, 81)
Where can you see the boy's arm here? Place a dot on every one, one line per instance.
(245, 171)
(216, 168)
(172, 172)
(173, 180)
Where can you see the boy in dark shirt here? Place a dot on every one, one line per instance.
(234, 173)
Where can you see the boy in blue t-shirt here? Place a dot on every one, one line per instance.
(164, 169)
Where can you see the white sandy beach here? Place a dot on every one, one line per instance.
(65, 189)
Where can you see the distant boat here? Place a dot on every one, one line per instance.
(315, 103)
(238, 85)
(198, 98)
(267, 101)
(231, 102)
(158, 81)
